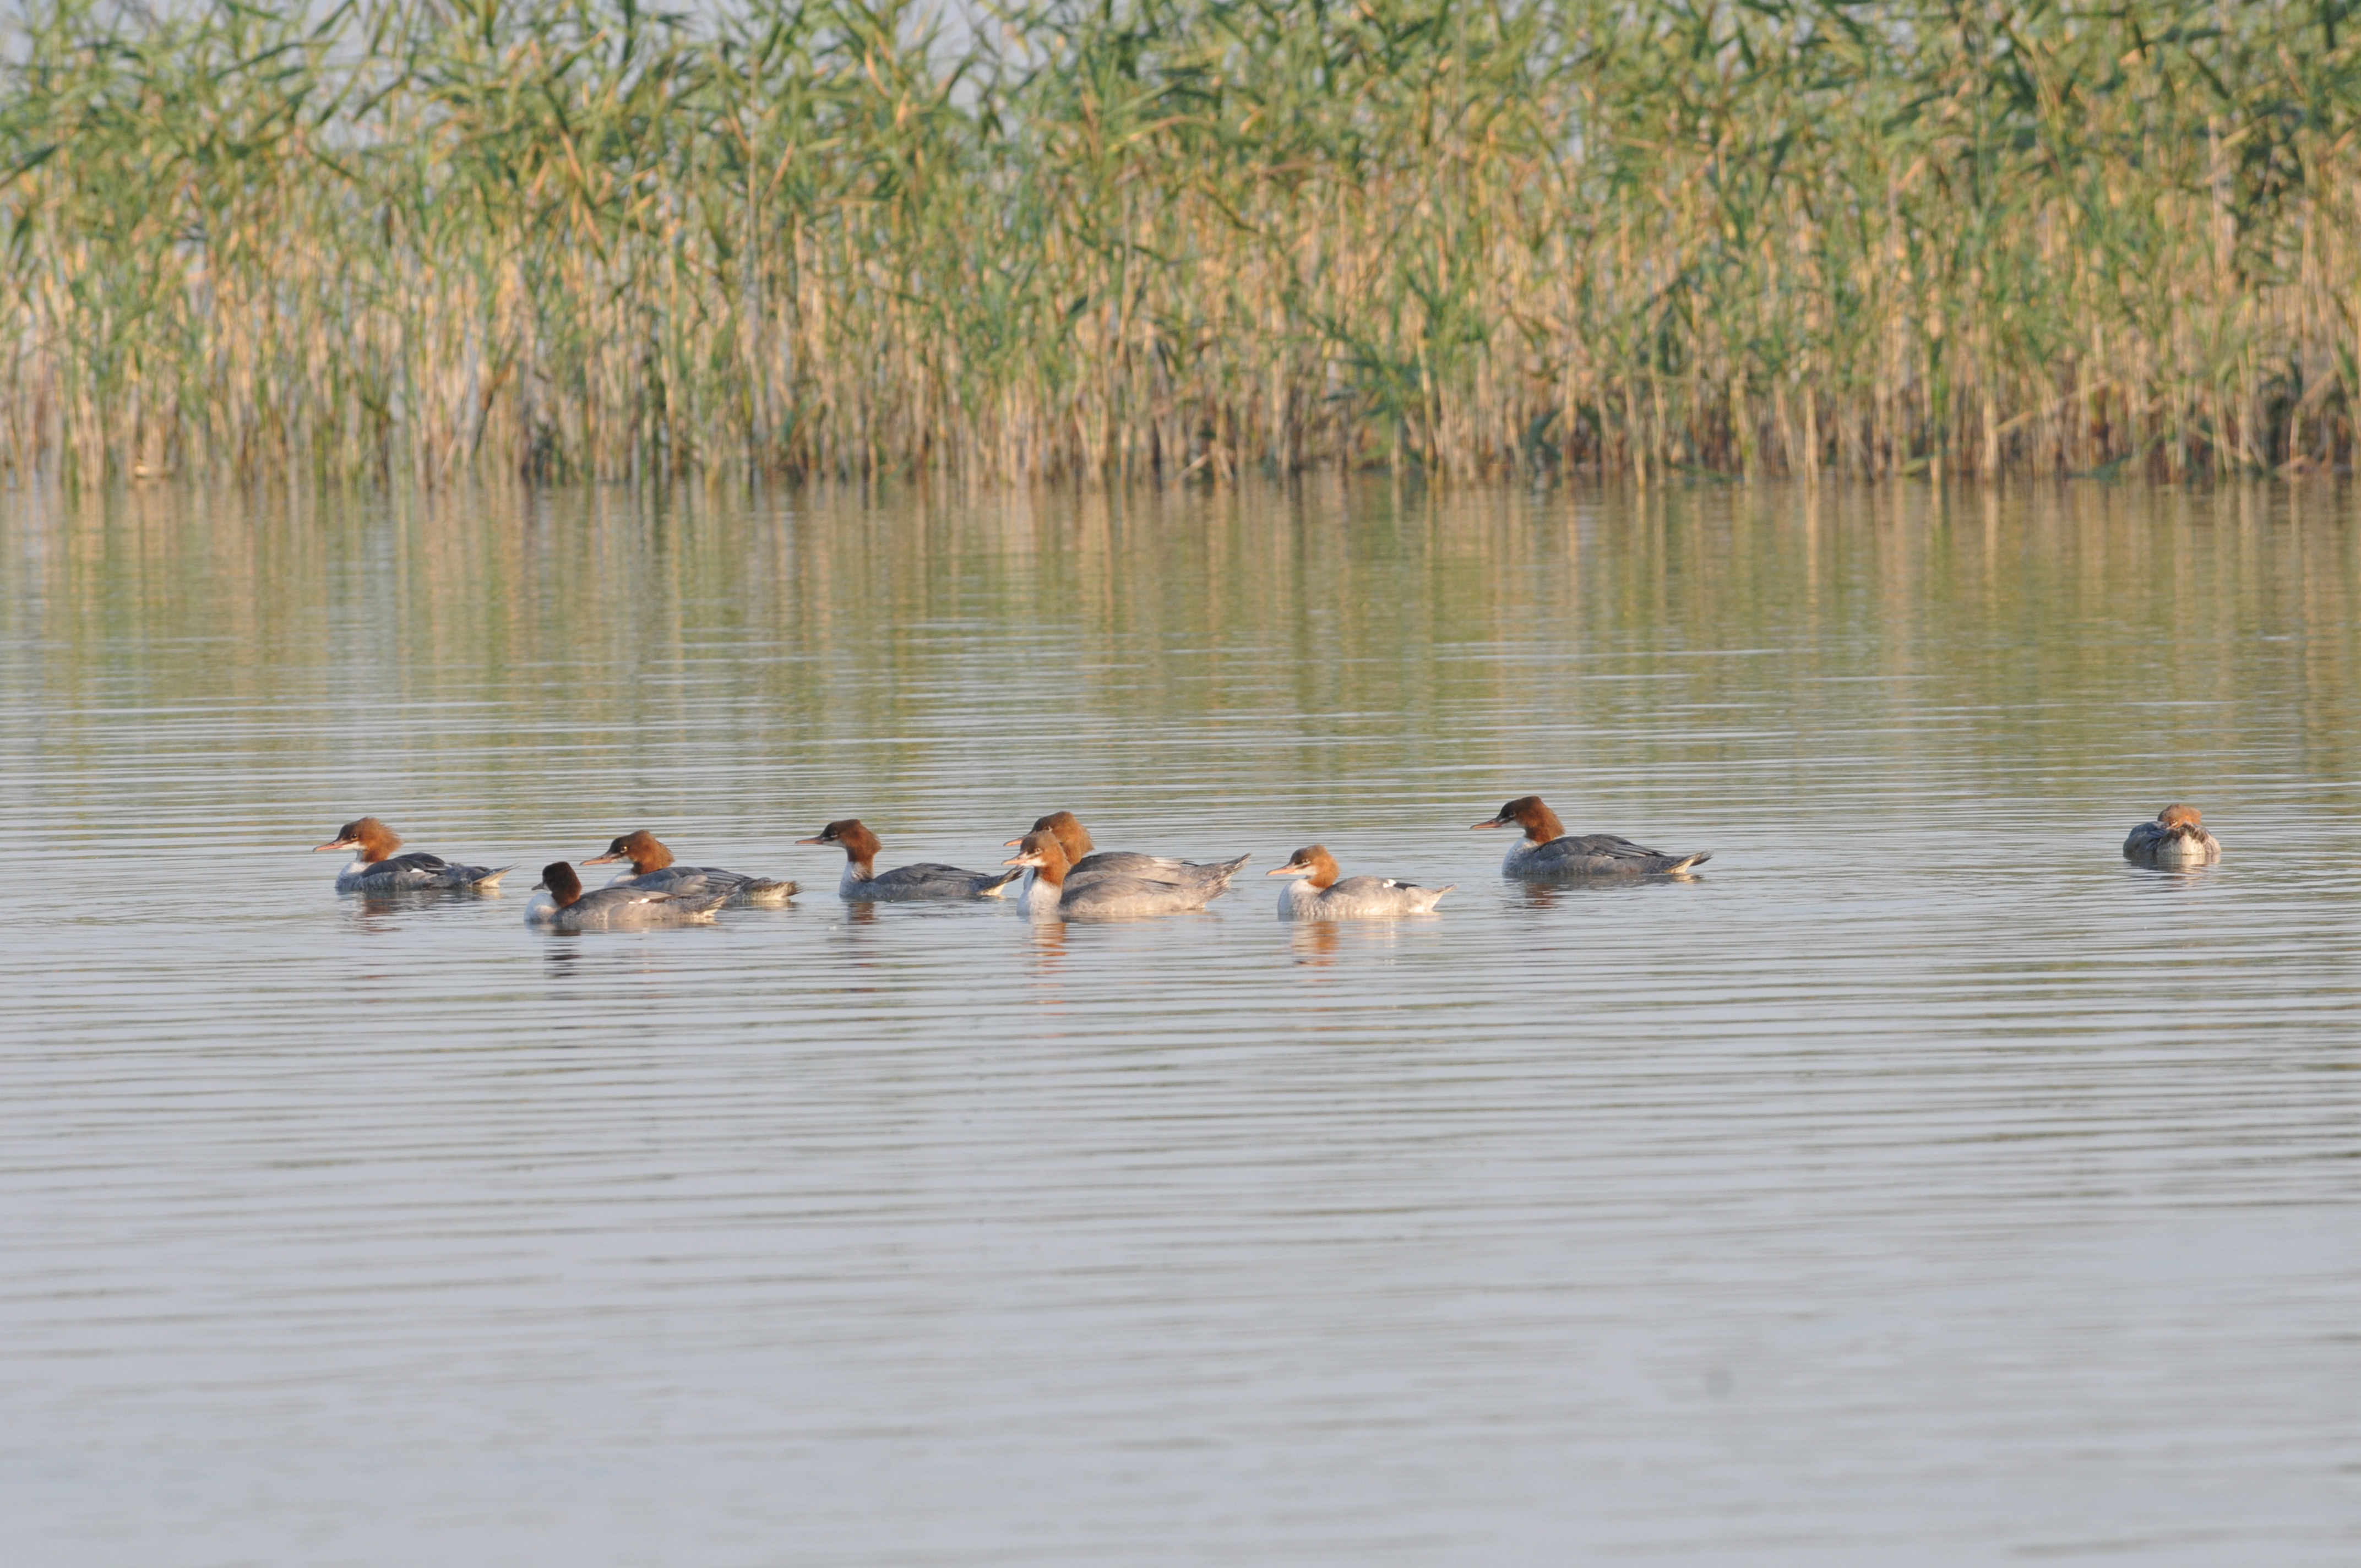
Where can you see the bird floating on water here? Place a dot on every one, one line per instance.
(652, 870)
(376, 867)
(1547, 850)
(567, 908)
(862, 883)
(1319, 896)
(2177, 838)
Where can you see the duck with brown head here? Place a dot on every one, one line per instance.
(376, 868)
(928, 881)
(652, 870)
(1320, 894)
(1547, 850)
(564, 906)
(1054, 894)
(2177, 838)
(1086, 863)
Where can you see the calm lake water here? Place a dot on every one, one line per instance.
(1919, 1184)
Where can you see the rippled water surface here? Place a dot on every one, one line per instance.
(1919, 1184)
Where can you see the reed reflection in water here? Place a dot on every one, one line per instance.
(1918, 1183)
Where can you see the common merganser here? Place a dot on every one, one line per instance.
(2177, 838)
(1320, 896)
(377, 869)
(1548, 850)
(1111, 894)
(652, 870)
(569, 908)
(1086, 863)
(862, 885)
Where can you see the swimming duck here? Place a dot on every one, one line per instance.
(569, 908)
(1320, 896)
(1085, 862)
(377, 869)
(1110, 893)
(1547, 850)
(2177, 838)
(652, 869)
(861, 882)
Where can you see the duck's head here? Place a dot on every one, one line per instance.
(1539, 823)
(559, 881)
(857, 842)
(1073, 839)
(640, 847)
(1042, 852)
(1314, 863)
(374, 839)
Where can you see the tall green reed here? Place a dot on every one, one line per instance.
(1133, 237)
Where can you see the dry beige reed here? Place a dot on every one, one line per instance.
(1170, 238)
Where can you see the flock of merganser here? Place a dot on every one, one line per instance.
(1065, 876)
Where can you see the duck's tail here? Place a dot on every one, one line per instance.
(490, 880)
(1219, 883)
(1000, 889)
(1688, 863)
(763, 892)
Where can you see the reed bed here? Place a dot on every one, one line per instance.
(1182, 237)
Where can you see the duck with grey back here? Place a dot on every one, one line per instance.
(1548, 850)
(1318, 894)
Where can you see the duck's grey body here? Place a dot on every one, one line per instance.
(1358, 898)
(1114, 894)
(2177, 838)
(622, 908)
(695, 881)
(925, 880)
(1594, 854)
(416, 873)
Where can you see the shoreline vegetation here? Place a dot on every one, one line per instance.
(583, 239)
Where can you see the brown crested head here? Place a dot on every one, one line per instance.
(857, 842)
(1539, 823)
(1314, 863)
(557, 879)
(1041, 850)
(374, 839)
(2174, 819)
(1072, 837)
(640, 847)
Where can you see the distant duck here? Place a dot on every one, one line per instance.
(566, 907)
(1320, 896)
(1548, 850)
(1110, 895)
(377, 869)
(861, 882)
(652, 869)
(2177, 838)
(1085, 862)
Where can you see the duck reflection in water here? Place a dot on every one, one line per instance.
(1316, 941)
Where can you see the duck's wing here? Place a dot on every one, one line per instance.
(690, 881)
(1153, 867)
(931, 879)
(1593, 854)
